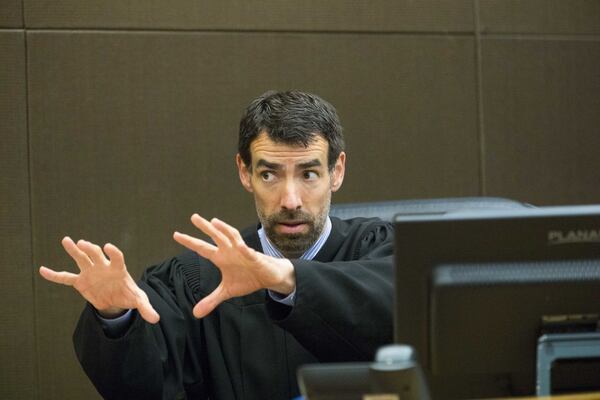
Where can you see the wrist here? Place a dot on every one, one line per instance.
(111, 312)
(287, 281)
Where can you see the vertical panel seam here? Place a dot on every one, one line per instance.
(23, 13)
(36, 368)
(29, 188)
(479, 96)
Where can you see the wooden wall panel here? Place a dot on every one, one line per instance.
(11, 14)
(312, 15)
(542, 113)
(133, 125)
(410, 114)
(132, 132)
(17, 344)
(540, 16)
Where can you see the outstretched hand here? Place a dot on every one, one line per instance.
(243, 270)
(103, 281)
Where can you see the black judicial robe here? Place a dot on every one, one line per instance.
(249, 347)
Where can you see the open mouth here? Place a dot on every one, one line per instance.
(292, 226)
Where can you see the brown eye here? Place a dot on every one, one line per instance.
(267, 176)
(310, 175)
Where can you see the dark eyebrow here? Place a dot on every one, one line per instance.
(310, 164)
(267, 164)
(275, 166)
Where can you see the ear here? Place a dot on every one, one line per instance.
(337, 175)
(244, 172)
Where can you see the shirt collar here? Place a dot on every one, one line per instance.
(270, 249)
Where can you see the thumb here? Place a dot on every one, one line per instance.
(145, 309)
(210, 302)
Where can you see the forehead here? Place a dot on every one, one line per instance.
(263, 147)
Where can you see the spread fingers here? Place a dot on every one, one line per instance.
(115, 255)
(230, 232)
(201, 247)
(207, 227)
(64, 278)
(93, 251)
(82, 259)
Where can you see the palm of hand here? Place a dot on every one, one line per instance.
(107, 287)
(104, 282)
(243, 270)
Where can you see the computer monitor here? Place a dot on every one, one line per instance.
(476, 290)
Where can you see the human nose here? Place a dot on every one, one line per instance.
(290, 198)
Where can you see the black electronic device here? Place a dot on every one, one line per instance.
(477, 291)
(395, 374)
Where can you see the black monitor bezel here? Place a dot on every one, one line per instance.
(425, 241)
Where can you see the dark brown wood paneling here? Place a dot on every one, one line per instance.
(542, 113)
(409, 108)
(131, 133)
(540, 16)
(17, 345)
(312, 15)
(11, 14)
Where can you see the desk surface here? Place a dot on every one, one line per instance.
(581, 396)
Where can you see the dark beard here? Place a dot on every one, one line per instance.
(295, 244)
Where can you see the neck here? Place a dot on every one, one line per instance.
(292, 254)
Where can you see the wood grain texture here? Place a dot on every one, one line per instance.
(17, 345)
(540, 16)
(542, 113)
(132, 132)
(11, 14)
(313, 15)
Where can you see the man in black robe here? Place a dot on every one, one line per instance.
(234, 318)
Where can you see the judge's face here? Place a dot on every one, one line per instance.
(292, 188)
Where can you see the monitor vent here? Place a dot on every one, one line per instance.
(515, 273)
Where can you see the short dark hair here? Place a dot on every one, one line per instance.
(294, 118)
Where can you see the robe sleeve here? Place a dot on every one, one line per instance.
(343, 308)
(146, 361)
